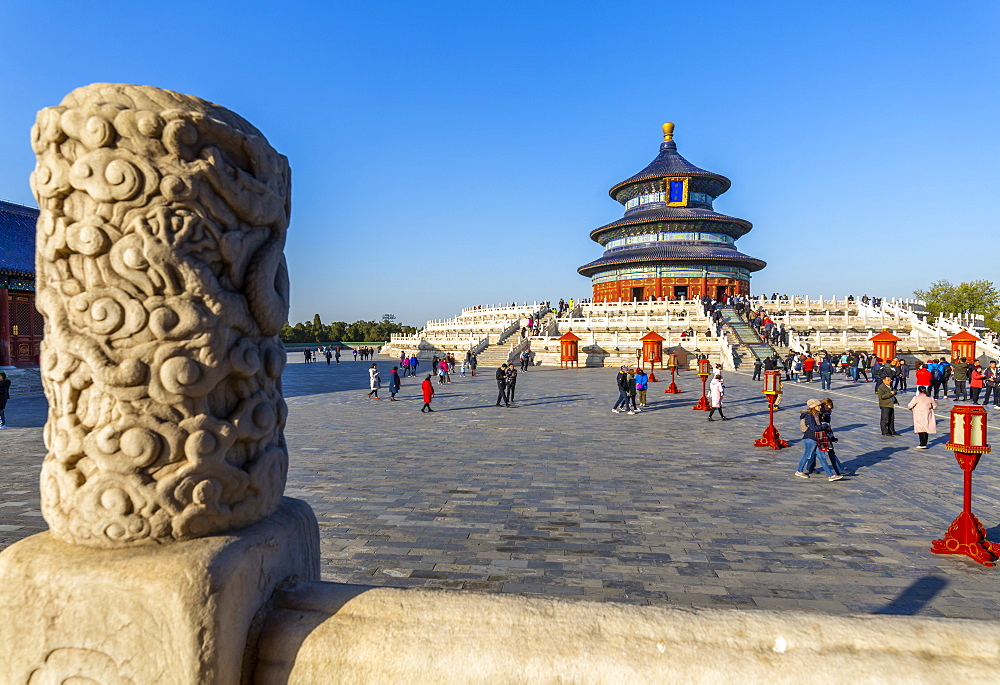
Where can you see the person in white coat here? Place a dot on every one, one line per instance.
(375, 382)
(717, 390)
(924, 421)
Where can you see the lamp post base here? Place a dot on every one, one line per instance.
(771, 438)
(702, 404)
(967, 536)
(672, 389)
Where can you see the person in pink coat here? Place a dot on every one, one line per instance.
(924, 422)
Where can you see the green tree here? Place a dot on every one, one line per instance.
(980, 297)
(317, 329)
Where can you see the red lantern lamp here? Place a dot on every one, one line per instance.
(672, 362)
(772, 388)
(704, 370)
(966, 534)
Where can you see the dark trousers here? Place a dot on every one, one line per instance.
(935, 388)
(986, 395)
(502, 394)
(756, 373)
(622, 399)
(887, 421)
(923, 439)
(510, 391)
(960, 389)
(975, 395)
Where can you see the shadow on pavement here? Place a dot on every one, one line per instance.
(915, 597)
(872, 458)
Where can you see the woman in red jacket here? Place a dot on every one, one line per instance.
(976, 379)
(428, 389)
(923, 376)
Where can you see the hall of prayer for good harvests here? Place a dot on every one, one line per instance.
(670, 244)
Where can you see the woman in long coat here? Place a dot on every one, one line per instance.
(924, 422)
(428, 389)
(375, 381)
(717, 389)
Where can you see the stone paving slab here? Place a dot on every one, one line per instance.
(557, 496)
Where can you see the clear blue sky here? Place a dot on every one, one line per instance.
(447, 154)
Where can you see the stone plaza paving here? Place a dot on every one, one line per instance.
(557, 496)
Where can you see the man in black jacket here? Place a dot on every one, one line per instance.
(502, 385)
(621, 380)
(511, 383)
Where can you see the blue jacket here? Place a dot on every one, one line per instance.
(641, 381)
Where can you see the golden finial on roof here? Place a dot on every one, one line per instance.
(668, 132)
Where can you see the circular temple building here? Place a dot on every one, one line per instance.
(670, 243)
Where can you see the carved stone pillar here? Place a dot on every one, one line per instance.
(162, 280)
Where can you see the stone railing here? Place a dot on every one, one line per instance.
(506, 310)
(512, 328)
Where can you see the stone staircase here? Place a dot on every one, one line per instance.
(743, 335)
(24, 381)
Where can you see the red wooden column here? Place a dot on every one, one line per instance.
(4, 328)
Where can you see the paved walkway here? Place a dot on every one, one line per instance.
(558, 496)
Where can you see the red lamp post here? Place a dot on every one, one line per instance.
(771, 436)
(672, 363)
(652, 352)
(966, 534)
(704, 370)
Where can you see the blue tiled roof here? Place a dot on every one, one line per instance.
(673, 251)
(17, 239)
(670, 163)
(736, 227)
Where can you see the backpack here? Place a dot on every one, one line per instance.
(802, 425)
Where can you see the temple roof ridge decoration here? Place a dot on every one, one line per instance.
(670, 243)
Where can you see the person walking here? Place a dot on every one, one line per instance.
(887, 402)
(924, 422)
(473, 363)
(621, 381)
(826, 416)
(394, 384)
(811, 427)
(641, 386)
(414, 363)
(525, 355)
(757, 366)
(501, 376)
(328, 354)
(631, 391)
(374, 381)
(4, 396)
(336, 354)
(428, 390)
(717, 390)
(511, 379)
